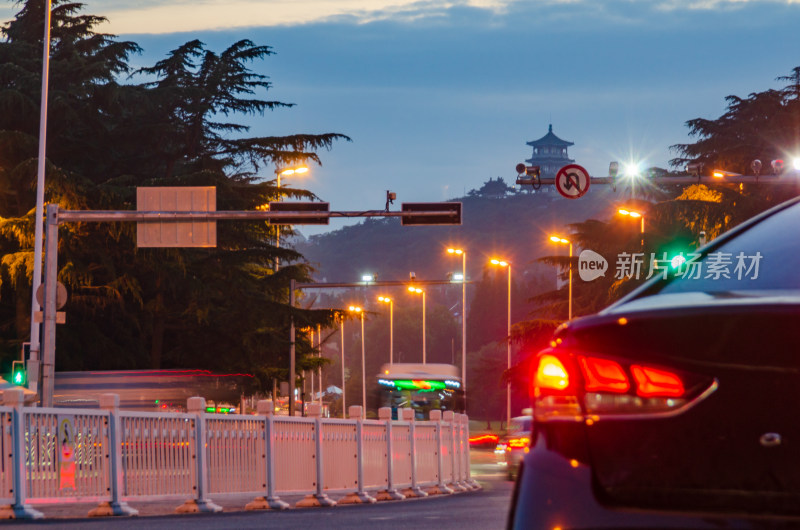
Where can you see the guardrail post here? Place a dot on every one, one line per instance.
(414, 490)
(439, 489)
(14, 397)
(462, 451)
(469, 482)
(360, 496)
(453, 481)
(266, 408)
(320, 498)
(197, 406)
(390, 493)
(110, 402)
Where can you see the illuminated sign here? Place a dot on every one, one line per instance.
(413, 384)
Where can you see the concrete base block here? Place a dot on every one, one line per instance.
(194, 506)
(113, 509)
(414, 492)
(315, 501)
(19, 512)
(263, 503)
(389, 495)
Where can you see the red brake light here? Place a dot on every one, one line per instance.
(651, 382)
(603, 375)
(551, 373)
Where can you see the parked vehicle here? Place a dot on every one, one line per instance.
(676, 407)
(512, 447)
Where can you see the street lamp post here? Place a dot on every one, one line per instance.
(557, 239)
(417, 290)
(634, 214)
(503, 263)
(360, 312)
(457, 251)
(341, 326)
(387, 300)
(33, 366)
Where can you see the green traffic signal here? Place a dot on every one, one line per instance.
(18, 376)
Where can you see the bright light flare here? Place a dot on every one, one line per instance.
(677, 261)
(632, 169)
(412, 289)
(499, 262)
(354, 309)
(455, 251)
(367, 277)
(458, 277)
(384, 299)
(557, 239)
(796, 163)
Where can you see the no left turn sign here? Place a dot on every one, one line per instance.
(572, 181)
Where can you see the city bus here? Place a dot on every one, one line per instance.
(422, 387)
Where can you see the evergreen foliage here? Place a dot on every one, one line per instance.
(224, 309)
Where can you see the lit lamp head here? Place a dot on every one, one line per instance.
(298, 170)
(458, 251)
(499, 262)
(557, 239)
(384, 299)
(354, 309)
(412, 289)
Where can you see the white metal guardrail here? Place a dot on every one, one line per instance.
(113, 457)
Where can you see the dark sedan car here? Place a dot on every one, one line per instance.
(678, 406)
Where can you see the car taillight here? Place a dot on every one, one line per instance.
(653, 382)
(603, 375)
(551, 373)
(577, 387)
(518, 443)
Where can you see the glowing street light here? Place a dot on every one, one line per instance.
(503, 263)
(356, 309)
(417, 290)
(558, 239)
(289, 171)
(387, 300)
(463, 253)
(341, 324)
(634, 214)
(632, 169)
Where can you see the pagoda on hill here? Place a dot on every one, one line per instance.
(549, 153)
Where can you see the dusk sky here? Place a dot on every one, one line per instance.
(441, 95)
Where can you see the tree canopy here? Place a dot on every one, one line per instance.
(224, 308)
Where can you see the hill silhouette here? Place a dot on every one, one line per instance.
(515, 227)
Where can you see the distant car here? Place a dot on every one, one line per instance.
(678, 406)
(513, 446)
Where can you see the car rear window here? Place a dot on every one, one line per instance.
(765, 257)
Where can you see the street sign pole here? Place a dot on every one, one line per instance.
(292, 363)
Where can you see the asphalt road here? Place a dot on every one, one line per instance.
(484, 509)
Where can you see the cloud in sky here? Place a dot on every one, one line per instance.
(440, 95)
(159, 16)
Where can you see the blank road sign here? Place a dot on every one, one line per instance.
(170, 233)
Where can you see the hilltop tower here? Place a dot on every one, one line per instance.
(549, 153)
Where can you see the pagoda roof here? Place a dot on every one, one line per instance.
(550, 139)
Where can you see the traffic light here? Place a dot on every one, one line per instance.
(18, 375)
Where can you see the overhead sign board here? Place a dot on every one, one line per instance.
(169, 233)
(451, 215)
(572, 181)
(308, 208)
